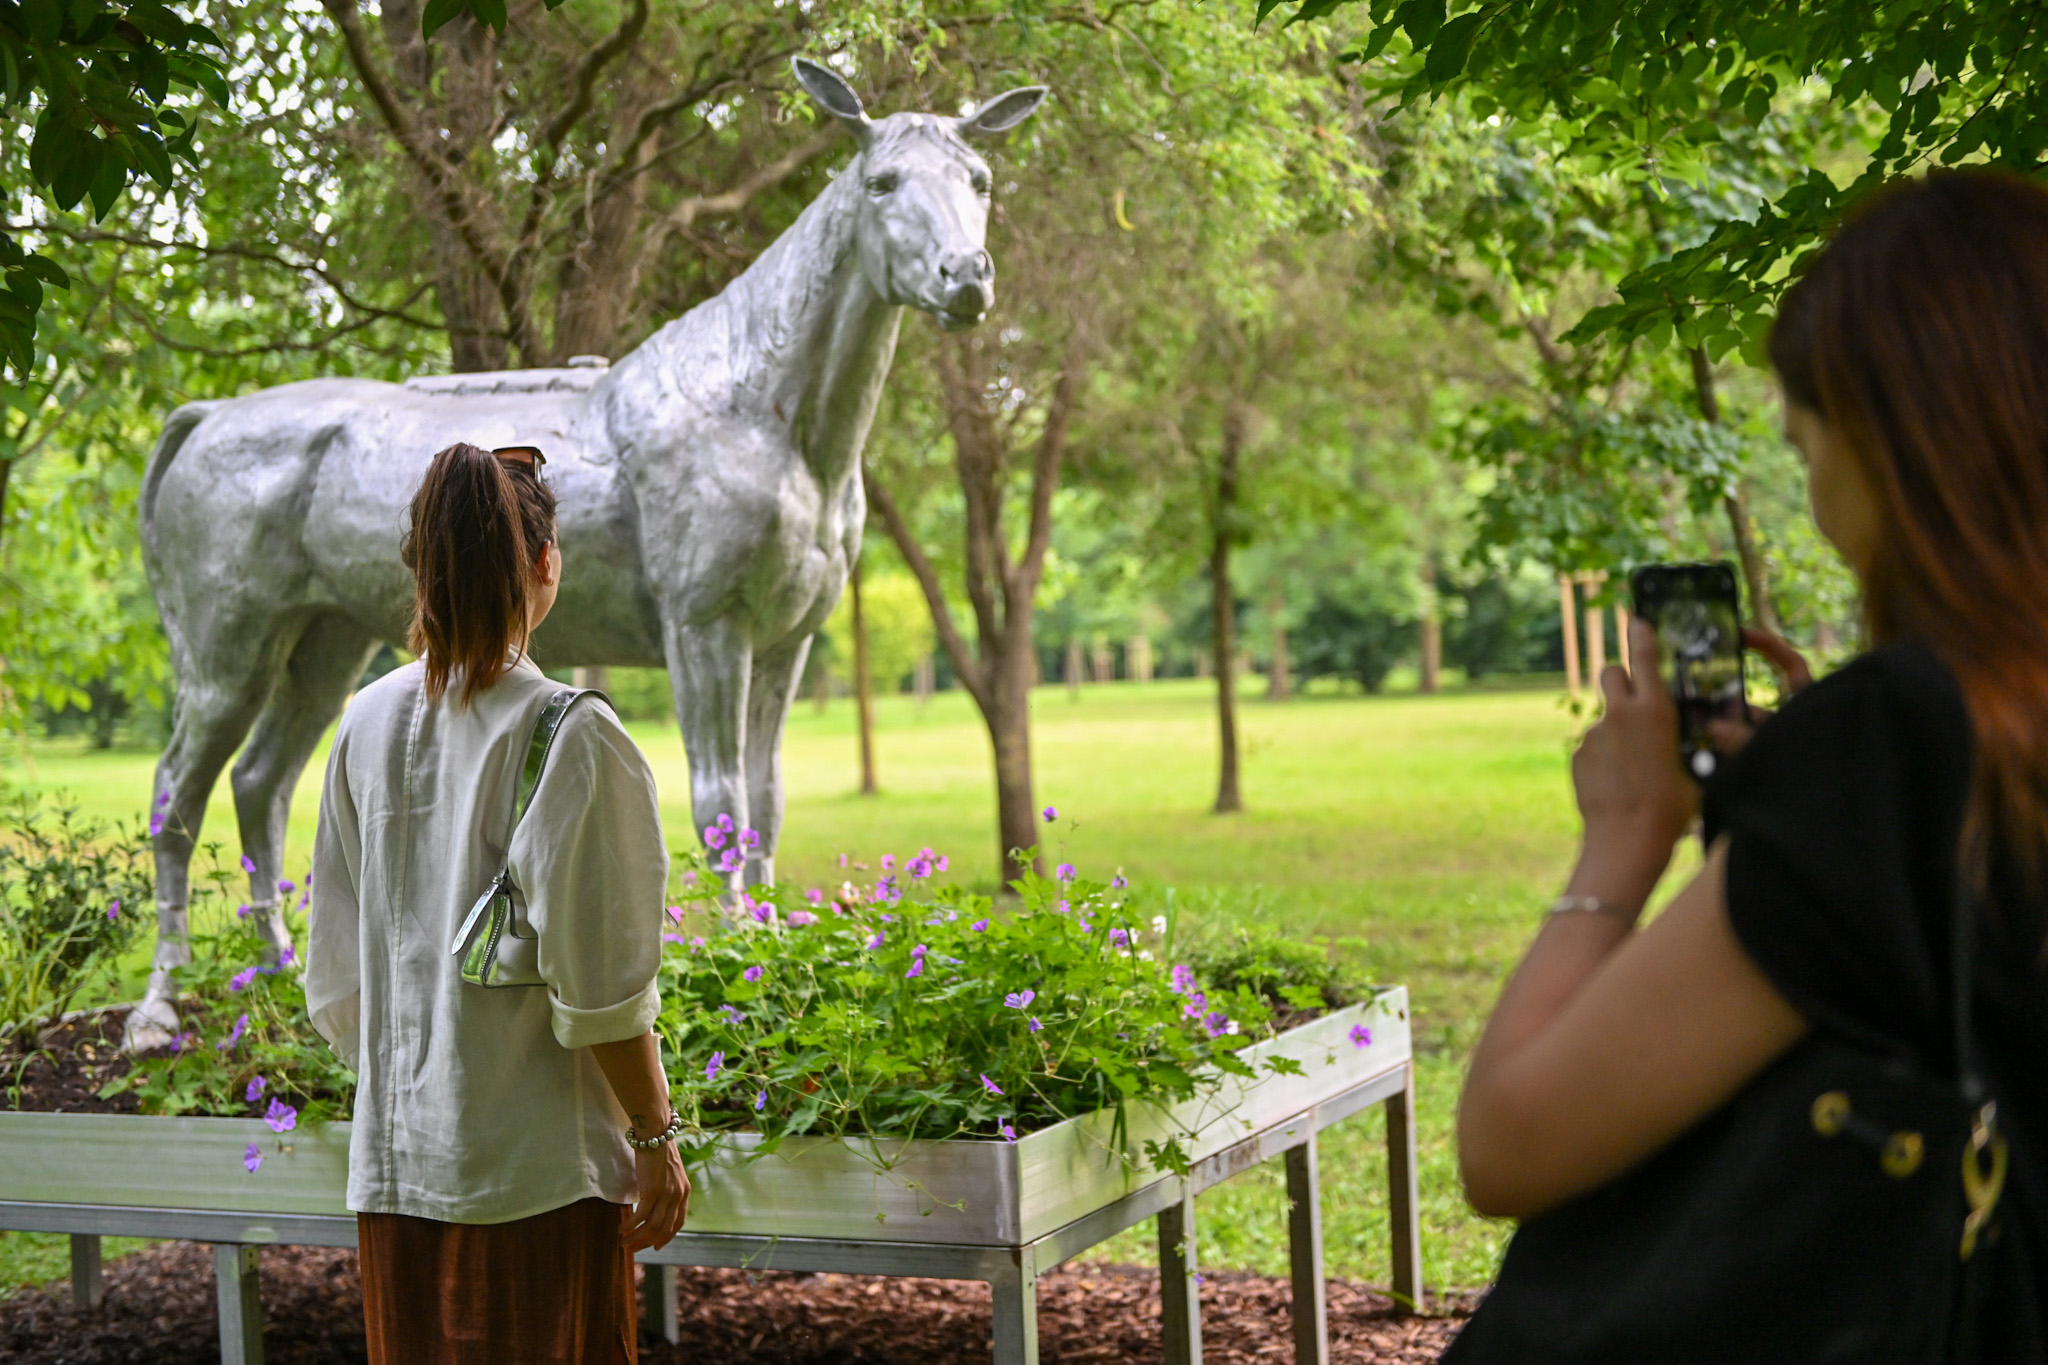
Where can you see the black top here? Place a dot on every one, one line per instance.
(1843, 817)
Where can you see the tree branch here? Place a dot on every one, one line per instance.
(975, 460)
(972, 675)
(1045, 477)
(684, 215)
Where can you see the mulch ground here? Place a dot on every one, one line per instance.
(63, 1072)
(160, 1311)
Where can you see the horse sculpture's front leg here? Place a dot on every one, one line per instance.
(710, 666)
(769, 693)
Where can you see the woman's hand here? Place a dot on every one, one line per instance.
(1794, 675)
(664, 1198)
(1634, 797)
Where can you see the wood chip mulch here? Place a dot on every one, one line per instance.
(160, 1311)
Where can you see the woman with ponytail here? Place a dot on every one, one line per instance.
(501, 1136)
(1660, 1104)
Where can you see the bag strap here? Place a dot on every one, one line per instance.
(539, 745)
(1985, 1154)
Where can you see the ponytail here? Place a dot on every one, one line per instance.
(479, 525)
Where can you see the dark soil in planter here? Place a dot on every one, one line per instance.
(160, 1311)
(64, 1072)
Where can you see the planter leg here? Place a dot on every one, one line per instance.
(1180, 1292)
(1015, 1296)
(87, 1291)
(660, 1314)
(241, 1311)
(1305, 1255)
(1403, 1198)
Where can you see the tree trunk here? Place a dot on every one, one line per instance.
(1071, 669)
(924, 680)
(1569, 609)
(863, 689)
(1594, 641)
(1432, 633)
(1223, 622)
(1009, 733)
(1279, 674)
(1754, 575)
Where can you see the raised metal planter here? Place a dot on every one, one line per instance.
(958, 1209)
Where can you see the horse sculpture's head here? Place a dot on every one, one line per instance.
(924, 194)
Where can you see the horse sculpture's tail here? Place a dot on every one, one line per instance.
(176, 430)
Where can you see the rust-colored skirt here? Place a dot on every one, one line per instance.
(553, 1289)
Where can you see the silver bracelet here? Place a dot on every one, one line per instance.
(675, 1125)
(1593, 905)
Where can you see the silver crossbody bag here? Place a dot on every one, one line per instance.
(496, 944)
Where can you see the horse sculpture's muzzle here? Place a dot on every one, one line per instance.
(968, 284)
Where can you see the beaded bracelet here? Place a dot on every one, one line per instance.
(675, 1125)
(1565, 905)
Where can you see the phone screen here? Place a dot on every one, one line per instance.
(1697, 615)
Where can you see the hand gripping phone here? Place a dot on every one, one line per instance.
(1697, 614)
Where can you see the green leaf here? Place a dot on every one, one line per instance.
(439, 13)
(1446, 60)
(1422, 18)
(489, 12)
(48, 271)
(27, 288)
(107, 186)
(75, 174)
(44, 20)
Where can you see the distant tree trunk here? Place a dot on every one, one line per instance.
(1138, 658)
(1104, 660)
(924, 680)
(1594, 641)
(1071, 669)
(1223, 618)
(821, 685)
(1279, 674)
(1755, 578)
(863, 690)
(1432, 632)
(999, 670)
(1569, 609)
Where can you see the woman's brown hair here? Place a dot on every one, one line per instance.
(479, 526)
(1921, 334)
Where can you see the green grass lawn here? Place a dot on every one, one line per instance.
(1430, 829)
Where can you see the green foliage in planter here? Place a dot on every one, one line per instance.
(912, 1011)
(72, 893)
(249, 1049)
(1297, 976)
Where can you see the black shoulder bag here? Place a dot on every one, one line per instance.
(1836, 1212)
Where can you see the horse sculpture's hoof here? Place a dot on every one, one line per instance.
(151, 1025)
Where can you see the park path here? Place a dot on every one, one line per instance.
(160, 1311)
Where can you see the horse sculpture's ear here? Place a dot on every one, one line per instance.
(1004, 112)
(833, 95)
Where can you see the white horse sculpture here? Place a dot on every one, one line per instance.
(710, 507)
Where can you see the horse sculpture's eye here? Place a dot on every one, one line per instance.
(881, 184)
(980, 182)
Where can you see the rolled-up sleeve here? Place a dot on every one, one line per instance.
(334, 969)
(590, 863)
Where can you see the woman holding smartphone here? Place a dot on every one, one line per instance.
(1913, 359)
(500, 1134)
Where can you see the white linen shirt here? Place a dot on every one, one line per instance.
(475, 1104)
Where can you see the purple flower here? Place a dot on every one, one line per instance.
(1217, 1023)
(798, 919)
(714, 1066)
(1051, 815)
(760, 1101)
(732, 1016)
(163, 799)
(667, 937)
(1119, 882)
(156, 827)
(888, 861)
(183, 1041)
(251, 1159)
(255, 1090)
(695, 944)
(248, 865)
(980, 926)
(1035, 1026)
(732, 860)
(815, 896)
(725, 823)
(1183, 980)
(916, 969)
(919, 951)
(876, 941)
(753, 973)
(1065, 872)
(749, 839)
(241, 1027)
(1361, 1036)
(1120, 938)
(1087, 926)
(286, 888)
(1196, 1004)
(714, 837)
(113, 911)
(991, 1086)
(940, 862)
(761, 911)
(1018, 1000)
(244, 911)
(1007, 1133)
(886, 889)
(280, 1117)
(240, 981)
(675, 912)
(918, 867)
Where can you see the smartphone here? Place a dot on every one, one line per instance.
(1698, 617)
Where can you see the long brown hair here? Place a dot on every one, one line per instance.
(479, 525)
(1921, 334)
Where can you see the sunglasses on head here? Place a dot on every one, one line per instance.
(530, 456)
